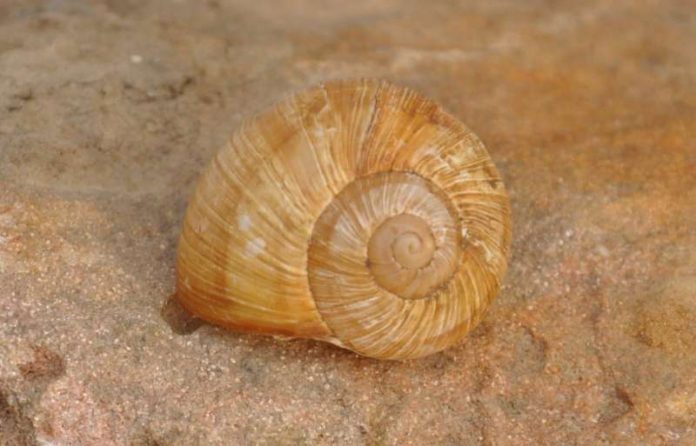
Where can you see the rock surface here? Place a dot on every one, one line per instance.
(109, 109)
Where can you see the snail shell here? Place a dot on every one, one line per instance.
(357, 213)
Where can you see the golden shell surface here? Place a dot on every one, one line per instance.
(357, 213)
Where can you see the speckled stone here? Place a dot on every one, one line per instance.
(109, 110)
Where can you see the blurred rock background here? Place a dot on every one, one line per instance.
(110, 108)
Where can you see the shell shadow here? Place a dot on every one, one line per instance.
(178, 318)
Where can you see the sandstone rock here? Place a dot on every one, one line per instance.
(110, 109)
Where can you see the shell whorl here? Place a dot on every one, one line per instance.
(356, 212)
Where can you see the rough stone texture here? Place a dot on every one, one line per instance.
(109, 109)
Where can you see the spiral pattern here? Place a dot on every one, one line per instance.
(383, 242)
(391, 230)
(358, 213)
